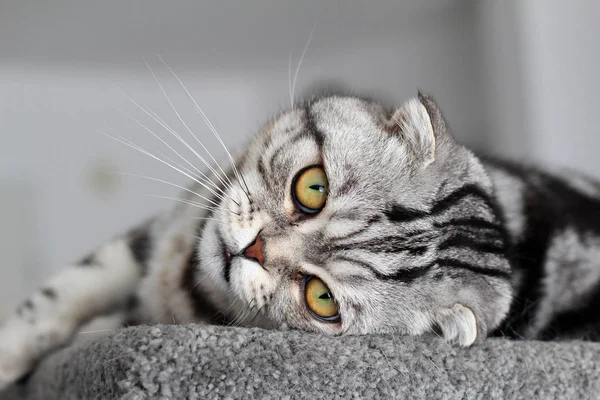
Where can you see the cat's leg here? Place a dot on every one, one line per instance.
(99, 284)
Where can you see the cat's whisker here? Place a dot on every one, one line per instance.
(145, 127)
(158, 120)
(204, 118)
(124, 141)
(211, 127)
(290, 81)
(300, 63)
(242, 314)
(133, 145)
(197, 283)
(170, 184)
(256, 315)
(192, 203)
(147, 153)
(231, 304)
(190, 131)
(98, 331)
(183, 167)
(201, 174)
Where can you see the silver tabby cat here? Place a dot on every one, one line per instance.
(345, 218)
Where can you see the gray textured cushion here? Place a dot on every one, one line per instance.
(207, 362)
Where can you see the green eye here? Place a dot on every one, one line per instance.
(320, 300)
(310, 189)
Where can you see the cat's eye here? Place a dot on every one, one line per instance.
(319, 300)
(310, 189)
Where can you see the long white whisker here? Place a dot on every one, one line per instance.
(191, 203)
(210, 126)
(166, 126)
(171, 148)
(183, 167)
(143, 151)
(188, 129)
(199, 282)
(140, 123)
(148, 111)
(170, 184)
(301, 59)
(290, 81)
(203, 178)
(206, 218)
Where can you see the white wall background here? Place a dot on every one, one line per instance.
(513, 77)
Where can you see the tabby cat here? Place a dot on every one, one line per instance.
(344, 218)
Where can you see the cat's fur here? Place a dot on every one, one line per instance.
(418, 235)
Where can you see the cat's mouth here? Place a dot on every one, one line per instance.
(226, 255)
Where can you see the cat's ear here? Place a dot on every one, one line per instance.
(420, 123)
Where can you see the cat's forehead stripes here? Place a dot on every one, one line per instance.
(286, 148)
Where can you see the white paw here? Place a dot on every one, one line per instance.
(458, 325)
(15, 354)
(8, 374)
(22, 344)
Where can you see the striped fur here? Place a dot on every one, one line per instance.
(418, 236)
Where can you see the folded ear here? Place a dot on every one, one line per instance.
(421, 125)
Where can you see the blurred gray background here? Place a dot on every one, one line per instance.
(516, 78)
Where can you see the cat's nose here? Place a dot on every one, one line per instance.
(255, 251)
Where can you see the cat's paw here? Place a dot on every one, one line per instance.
(23, 342)
(9, 371)
(15, 353)
(457, 325)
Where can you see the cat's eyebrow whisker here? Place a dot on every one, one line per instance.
(290, 81)
(124, 141)
(191, 133)
(312, 33)
(191, 203)
(171, 184)
(211, 127)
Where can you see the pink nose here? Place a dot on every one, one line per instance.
(255, 251)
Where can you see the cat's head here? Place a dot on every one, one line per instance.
(347, 218)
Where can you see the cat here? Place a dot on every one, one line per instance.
(342, 217)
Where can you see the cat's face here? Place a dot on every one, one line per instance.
(365, 222)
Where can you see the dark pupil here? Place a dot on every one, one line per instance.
(325, 296)
(320, 188)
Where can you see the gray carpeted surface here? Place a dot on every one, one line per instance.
(207, 362)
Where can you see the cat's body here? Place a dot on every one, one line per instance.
(417, 235)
